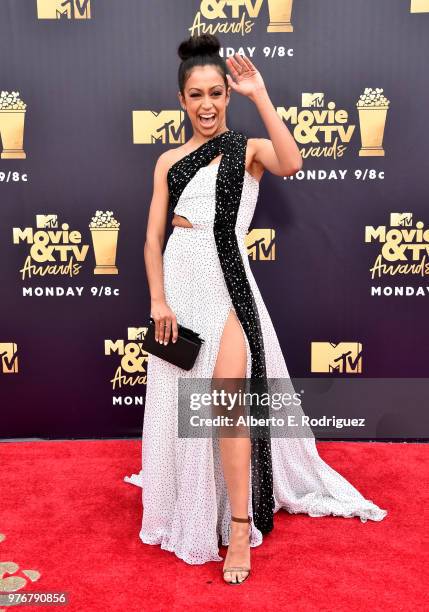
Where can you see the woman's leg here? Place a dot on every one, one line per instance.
(235, 451)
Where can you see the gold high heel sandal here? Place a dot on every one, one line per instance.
(239, 568)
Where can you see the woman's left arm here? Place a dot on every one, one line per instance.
(279, 154)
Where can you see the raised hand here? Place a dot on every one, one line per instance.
(245, 79)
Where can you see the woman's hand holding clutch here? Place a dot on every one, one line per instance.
(165, 321)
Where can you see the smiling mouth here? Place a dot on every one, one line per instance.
(207, 119)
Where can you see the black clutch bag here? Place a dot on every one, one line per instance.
(181, 353)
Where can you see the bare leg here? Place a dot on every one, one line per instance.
(235, 451)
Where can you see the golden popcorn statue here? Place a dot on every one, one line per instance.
(12, 117)
(104, 231)
(372, 106)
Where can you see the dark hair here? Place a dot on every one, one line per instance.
(199, 51)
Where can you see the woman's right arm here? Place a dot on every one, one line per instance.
(164, 317)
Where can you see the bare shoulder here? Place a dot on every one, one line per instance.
(170, 157)
(164, 161)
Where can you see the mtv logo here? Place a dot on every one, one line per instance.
(309, 100)
(44, 221)
(404, 219)
(167, 126)
(419, 6)
(344, 357)
(136, 333)
(64, 9)
(9, 357)
(260, 244)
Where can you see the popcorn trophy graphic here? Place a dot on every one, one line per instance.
(372, 106)
(104, 231)
(280, 13)
(12, 117)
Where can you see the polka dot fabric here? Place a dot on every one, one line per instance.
(185, 502)
(229, 182)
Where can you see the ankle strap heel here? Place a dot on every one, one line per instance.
(241, 520)
(248, 520)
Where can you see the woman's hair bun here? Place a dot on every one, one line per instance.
(204, 44)
(202, 50)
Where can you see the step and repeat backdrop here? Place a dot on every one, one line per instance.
(88, 101)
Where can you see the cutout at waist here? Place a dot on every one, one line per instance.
(181, 221)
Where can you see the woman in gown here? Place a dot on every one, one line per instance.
(199, 492)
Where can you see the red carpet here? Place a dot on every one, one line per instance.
(66, 513)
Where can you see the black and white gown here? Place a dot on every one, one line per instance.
(185, 501)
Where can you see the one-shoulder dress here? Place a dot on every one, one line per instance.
(184, 495)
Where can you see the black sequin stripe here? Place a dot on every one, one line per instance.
(229, 185)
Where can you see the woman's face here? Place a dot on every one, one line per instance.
(205, 100)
